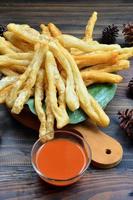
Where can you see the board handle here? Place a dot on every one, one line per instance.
(106, 151)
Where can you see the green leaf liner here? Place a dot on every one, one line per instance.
(103, 93)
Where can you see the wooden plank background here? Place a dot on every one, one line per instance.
(18, 181)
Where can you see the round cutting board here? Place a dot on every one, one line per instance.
(106, 151)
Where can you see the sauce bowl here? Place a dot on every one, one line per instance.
(70, 136)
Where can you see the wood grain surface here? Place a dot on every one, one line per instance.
(18, 181)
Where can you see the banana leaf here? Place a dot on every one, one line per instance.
(103, 93)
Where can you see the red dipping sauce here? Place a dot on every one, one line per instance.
(63, 160)
(60, 159)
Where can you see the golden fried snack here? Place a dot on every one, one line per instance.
(49, 114)
(54, 30)
(21, 56)
(16, 68)
(6, 81)
(4, 47)
(8, 45)
(119, 65)
(8, 72)
(46, 65)
(26, 33)
(95, 58)
(5, 60)
(4, 93)
(50, 120)
(19, 44)
(54, 81)
(90, 27)
(39, 96)
(69, 41)
(71, 97)
(19, 84)
(45, 30)
(125, 53)
(87, 102)
(26, 91)
(94, 76)
(76, 52)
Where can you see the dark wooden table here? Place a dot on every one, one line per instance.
(18, 180)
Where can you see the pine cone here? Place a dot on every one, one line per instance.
(128, 33)
(109, 34)
(126, 121)
(2, 30)
(130, 87)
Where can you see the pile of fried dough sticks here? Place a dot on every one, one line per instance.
(56, 68)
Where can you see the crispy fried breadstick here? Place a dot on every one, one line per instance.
(4, 93)
(50, 120)
(94, 76)
(19, 84)
(95, 58)
(69, 41)
(26, 91)
(5, 60)
(49, 114)
(71, 97)
(26, 33)
(120, 65)
(6, 81)
(87, 102)
(19, 44)
(39, 96)
(45, 30)
(21, 56)
(8, 72)
(7, 47)
(90, 26)
(54, 30)
(17, 69)
(53, 82)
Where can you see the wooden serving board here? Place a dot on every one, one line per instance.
(106, 151)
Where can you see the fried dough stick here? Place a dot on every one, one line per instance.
(14, 68)
(95, 58)
(8, 72)
(49, 114)
(71, 97)
(39, 96)
(7, 47)
(54, 30)
(26, 91)
(87, 102)
(26, 33)
(4, 93)
(19, 44)
(5, 60)
(53, 83)
(45, 30)
(6, 81)
(20, 82)
(98, 76)
(21, 56)
(90, 27)
(95, 76)
(119, 65)
(69, 41)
